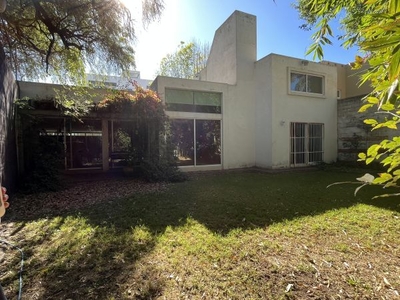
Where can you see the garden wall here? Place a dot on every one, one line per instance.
(353, 135)
(8, 93)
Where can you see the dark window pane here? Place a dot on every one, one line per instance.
(314, 84)
(182, 136)
(84, 144)
(315, 142)
(180, 107)
(208, 109)
(208, 142)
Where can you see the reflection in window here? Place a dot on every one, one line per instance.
(205, 134)
(306, 83)
(182, 135)
(208, 142)
(193, 101)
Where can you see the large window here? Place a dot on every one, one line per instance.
(306, 143)
(83, 144)
(306, 83)
(196, 142)
(193, 101)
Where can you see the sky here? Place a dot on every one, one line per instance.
(184, 20)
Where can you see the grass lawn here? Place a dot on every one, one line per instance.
(228, 235)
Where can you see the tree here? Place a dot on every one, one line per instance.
(186, 62)
(372, 26)
(151, 151)
(63, 38)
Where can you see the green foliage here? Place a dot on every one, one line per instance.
(75, 101)
(186, 62)
(372, 26)
(161, 170)
(61, 38)
(151, 155)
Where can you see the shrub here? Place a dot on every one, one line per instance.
(156, 171)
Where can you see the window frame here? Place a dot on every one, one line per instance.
(308, 142)
(306, 74)
(197, 163)
(194, 107)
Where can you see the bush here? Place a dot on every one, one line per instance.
(158, 171)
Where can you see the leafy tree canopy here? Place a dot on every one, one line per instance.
(64, 38)
(189, 59)
(373, 27)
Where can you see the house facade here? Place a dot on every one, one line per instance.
(275, 112)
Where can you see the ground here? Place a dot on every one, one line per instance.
(348, 251)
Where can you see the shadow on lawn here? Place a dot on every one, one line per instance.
(106, 260)
(240, 200)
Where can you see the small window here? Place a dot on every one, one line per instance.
(306, 83)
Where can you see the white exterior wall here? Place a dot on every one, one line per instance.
(286, 108)
(233, 51)
(263, 112)
(162, 82)
(237, 119)
(239, 126)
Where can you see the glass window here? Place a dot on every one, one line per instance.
(193, 101)
(196, 142)
(314, 84)
(208, 142)
(179, 100)
(207, 102)
(84, 144)
(297, 82)
(315, 133)
(306, 143)
(306, 83)
(182, 136)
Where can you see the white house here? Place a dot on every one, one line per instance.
(276, 112)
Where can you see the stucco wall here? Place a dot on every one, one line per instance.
(353, 88)
(233, 51)
(238, 126)
(282, 108)
(8, 93)
(263, 112)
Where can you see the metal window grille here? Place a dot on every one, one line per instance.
(306, 143)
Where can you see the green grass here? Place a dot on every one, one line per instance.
(235, 235)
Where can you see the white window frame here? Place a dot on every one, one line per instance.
(309, 94)
(300, 145)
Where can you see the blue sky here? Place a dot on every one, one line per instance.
(183, 20)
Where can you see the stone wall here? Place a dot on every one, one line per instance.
(8, 156)
(353, 135)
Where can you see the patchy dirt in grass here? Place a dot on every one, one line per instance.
(79, 192)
